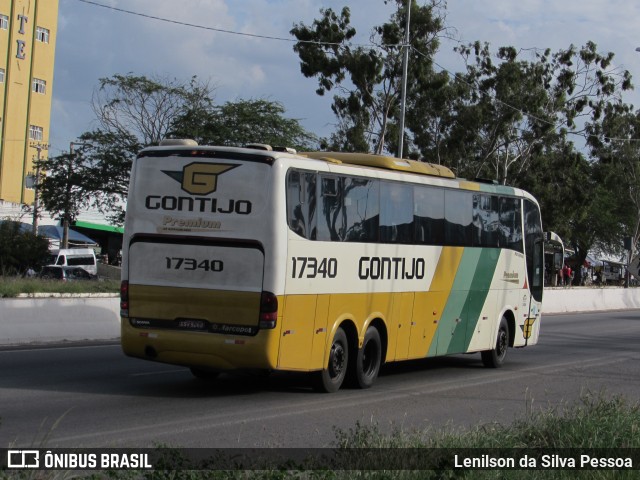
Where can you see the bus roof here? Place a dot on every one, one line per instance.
(382, 161)
(267, 154)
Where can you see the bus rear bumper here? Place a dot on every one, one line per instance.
(200, 349)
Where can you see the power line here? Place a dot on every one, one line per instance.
(221, 30)
(185, 24)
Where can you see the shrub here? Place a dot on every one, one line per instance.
(20, 249)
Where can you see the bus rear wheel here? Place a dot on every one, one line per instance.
(330, 379)
(495, 358)
(369, 359)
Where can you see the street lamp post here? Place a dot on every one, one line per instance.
(36, 200)
(405, 69)
(65, 219)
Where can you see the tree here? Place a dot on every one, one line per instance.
(20, 249)
(615, 144)
(368, 79)
(144, 107)
(508, 108)
(132, 112)
(62, 189)
(242, 122)
(106, 167)
(561, 178)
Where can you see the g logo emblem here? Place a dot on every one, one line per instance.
(200, 178)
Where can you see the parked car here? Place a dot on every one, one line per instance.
(75, 257)
(53, 272)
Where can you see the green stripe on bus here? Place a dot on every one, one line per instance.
(477, 297)
(450, 320)
(465, 302)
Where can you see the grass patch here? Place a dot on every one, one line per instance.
(596, 422)
(13, 286)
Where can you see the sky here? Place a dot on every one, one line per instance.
(95, 42)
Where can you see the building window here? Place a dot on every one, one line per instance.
(39, 86)
(1, 75)
(36, 133)
(4, 22)
(42, 34)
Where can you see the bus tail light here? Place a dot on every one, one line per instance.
(268, 310)
(124, 298)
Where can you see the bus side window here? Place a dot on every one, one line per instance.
(331, 223)
(428, 212)
(458, 214)
(350, 209)
(396, 213)
(486, 220)
(361, 209)
(510, 224)
(301, 203)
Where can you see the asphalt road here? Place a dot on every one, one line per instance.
(94, 396)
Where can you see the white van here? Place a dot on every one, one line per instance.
(84, 258)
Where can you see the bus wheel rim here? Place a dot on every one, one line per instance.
(369, 358)
(502, 343)
(337, 363)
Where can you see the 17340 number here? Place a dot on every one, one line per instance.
(181, 263)
(312, 267)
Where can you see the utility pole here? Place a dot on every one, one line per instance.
(36, 198)
(405, 69)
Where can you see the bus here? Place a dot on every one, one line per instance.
(265, 259)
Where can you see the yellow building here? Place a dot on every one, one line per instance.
(28, 30)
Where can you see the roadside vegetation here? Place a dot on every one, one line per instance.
(12, 286)
(597, 422)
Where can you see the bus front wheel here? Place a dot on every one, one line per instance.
(330, 379)
(369, 359)
(495, 358)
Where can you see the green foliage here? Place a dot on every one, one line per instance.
(62, 188)
(508, 116)
(368, 79)
(106, 168)
(242, 122)
(20, 249)
(134, 112)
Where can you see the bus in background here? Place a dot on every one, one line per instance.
(554, 254)
(327, 263)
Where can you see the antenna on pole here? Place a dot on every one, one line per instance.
(405, 68)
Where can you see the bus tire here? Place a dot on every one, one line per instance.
(330, 379)
(495, 358)
(204, 374)
(369, 359)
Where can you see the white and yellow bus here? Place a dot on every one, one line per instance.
(328, 263)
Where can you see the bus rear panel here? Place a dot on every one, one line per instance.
(194, 259)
